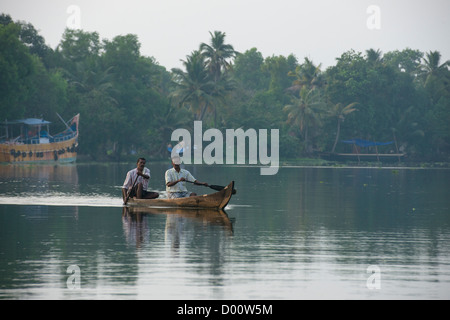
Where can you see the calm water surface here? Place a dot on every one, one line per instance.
(305, 233)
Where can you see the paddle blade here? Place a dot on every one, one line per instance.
(220, 188)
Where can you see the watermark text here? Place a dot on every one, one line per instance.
(374, 280)
(74, 280)
(236, 148)
(374, 19)
(74, 19)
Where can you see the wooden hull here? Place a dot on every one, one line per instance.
(218, 200)
(63, 152)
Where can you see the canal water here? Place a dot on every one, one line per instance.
(304, 233)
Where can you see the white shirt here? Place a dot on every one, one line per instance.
(173, 175)
(131, 178)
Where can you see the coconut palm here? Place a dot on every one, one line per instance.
(340, 112)
(307, 74)
(194, 87)
(217, 54)
(436, 75)
(88, 77)
(374, 56)
(304, 112)
(167, 120)
(432, 62)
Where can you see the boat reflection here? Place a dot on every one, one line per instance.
(66, 173)
(178, 226)
(38, 179)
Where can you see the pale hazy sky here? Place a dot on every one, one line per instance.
(322, 30)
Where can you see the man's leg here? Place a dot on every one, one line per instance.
(124, 194)
(150, 195)
(139, 191)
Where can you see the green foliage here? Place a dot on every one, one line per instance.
(16, 70)
(27, 88)
(129, 103)
(248, 70)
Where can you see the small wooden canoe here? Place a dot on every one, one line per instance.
(218, 200)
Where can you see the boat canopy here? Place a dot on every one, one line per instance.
(366, 143)
(29, 122)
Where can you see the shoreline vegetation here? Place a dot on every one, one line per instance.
(130, 105)
(294, 162)
(299, 162)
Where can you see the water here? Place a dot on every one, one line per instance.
(305, 233)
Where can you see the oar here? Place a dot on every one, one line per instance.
(129, 191)
(214, 187)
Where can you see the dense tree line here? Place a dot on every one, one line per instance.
(129, 103)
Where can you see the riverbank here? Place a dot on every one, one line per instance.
(301, 162)
(307, 162)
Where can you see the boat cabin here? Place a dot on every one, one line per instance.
(32, 131)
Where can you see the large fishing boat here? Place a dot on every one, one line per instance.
(30, 141)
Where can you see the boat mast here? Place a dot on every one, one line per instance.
(64, 122)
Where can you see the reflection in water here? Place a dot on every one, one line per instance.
(304, 233)
(25, 182)
(175, 243)
(135, 227)
(53, 185)
(179, 226)
(40, 172)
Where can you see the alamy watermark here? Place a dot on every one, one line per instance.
(374, 280)
(235, 147)
(74, 280)
(74, 19)
(374, 20)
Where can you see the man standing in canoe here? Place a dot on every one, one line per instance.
(175, 181)
(137, 182)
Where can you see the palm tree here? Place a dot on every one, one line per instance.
(409, 130)
(374, 56)
(89, 77)
(307, 74)
(436, 76)
(304, 112)
(167, 120)
(217, 54)
(339, 111)
(194, 87)
(432, 62)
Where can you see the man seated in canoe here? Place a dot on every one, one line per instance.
(175, 181)
(136, 182)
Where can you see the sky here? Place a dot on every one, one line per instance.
(321, 30)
